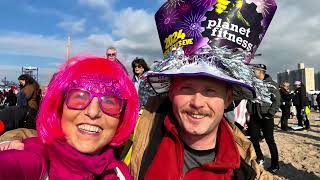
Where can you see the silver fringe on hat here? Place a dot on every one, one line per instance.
(228, 61)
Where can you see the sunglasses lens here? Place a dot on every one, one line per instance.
(111, 105)
(113, 54)
(77, 99)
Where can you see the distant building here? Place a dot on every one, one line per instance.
(303, 74)
(32, 71)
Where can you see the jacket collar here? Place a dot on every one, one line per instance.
(227, 153)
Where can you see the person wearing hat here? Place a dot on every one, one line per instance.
(262, 119)
(300, 101)
(182, 132)
(286, 98)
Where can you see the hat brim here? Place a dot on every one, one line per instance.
(160, 81)
(259, 68)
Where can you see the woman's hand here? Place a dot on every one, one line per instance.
(15, 144)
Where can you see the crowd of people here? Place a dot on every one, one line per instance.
(90, 124)
(20, 106)
(298, 99)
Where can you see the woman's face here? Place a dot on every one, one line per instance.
(138, 69)
(286, 86)
(90, 129)
(22, 83)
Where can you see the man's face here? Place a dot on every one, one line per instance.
(259, 73)
(199, 103)
(112, 54)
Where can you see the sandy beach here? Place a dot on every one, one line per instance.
(299, 151)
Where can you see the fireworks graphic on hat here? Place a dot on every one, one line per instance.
(205, 3)
(173, 3)
(262, 6)
(167, 20)
(192, 25)
(185, 8)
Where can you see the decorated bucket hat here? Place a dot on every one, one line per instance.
(215, 38)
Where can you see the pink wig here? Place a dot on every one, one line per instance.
(49, 117)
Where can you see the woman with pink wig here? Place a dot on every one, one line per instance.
(90, 108)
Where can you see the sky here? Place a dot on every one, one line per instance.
(34, 33)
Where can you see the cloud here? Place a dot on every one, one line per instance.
(293, 37)
(133, 24)
(133, 33)
(46, 11)
(73, 25)
(12, 72)
(69, 23)
(32, 44)
(50, 46)
(138, 32)
(105, 6)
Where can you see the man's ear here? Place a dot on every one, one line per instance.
(229, 97)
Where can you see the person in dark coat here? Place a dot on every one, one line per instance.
(318, 101)
(299, 101)
(27, 99)
(29, 87)
(11, 98)
(286, 97)
(262, 118)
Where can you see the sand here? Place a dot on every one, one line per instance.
(299, 151)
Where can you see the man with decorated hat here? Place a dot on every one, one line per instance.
(182, 133)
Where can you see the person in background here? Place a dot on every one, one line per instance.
(27, 100)
(111, 54)
(285, 105)
(300, 101)
(262, 118)
(318, 101)
(11, 98)
(2, 97)
(29, 88)
(5, 93)
(139, 67)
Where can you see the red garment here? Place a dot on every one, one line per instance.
(60, 161)
(169, 160)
